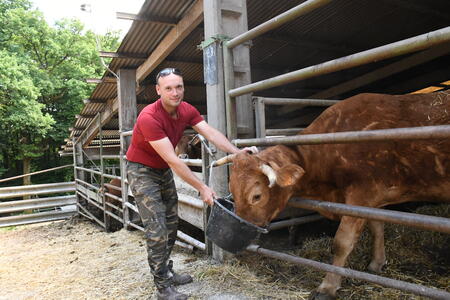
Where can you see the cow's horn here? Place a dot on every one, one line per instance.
(224, 160)
(270, 173)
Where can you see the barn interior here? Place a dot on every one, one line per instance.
(335, 30)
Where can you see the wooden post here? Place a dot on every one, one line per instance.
(222, 18)
(126, 95)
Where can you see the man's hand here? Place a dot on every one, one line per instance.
(207, 195)
(252, 150)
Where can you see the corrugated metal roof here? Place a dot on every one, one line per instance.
(338, 29)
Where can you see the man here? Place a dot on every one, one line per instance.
(152, 158)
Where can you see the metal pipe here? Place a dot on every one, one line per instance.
(127, 133)
(190, 240)
(87, 212)
(384, 281)
(34, 173)
(230, 103)
(111, 156)
(133, 207)
(291, 101)
(191, 201)
(277, 21)
(415, 220)
(192, 162)
(88, 185)
(380, 135)
(294, 221)
(98, 173)
(416, 43)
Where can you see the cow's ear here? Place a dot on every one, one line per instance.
(289, 175)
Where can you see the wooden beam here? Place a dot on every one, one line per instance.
(85, 116)
(124, 55)
(88, 101)
(91, 130)
(101, 80)
(147, 18)
(191, 20)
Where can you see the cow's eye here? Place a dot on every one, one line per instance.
(256, 198)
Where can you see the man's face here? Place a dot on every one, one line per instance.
(171, 90)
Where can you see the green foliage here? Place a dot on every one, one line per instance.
(42, 82)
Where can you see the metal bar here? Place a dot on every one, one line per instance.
(260, 116)
(86, 197)
(135, 226)
(127, 133)
(192, 162)
(114, 216)
(111, 176)
(113, 197)
(277, 21)
(88, 185)
(184, 245)
(416, 43)
(37, 186)
(133, 207)
(384, 281)
(88, 170)
(90, 215)
(34, 173)
(98, 173)
(123, 179)
(74, 158)
(381, 135)
(415, 220)
(21, 205)
(190, 240)
(292, 101)
(31, 190)
(230, 102)
(192, 201)
(35, 218)
(114, 207)
(295, 221)
(111, 156)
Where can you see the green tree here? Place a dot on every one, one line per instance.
(51, 64)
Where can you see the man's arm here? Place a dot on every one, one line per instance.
(218, 139)
(165, 150)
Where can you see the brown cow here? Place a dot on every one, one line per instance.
(189, 146)
(370, 174)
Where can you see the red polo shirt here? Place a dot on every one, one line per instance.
(155, 123)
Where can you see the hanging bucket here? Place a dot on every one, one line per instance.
(229, 231)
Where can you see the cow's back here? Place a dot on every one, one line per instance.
(420, 167)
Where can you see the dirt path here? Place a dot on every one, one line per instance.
(76, 259)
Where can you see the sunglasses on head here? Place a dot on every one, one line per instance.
(167, 71)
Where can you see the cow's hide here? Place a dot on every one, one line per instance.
(370, 174)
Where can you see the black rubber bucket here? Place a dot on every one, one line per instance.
(229, 231)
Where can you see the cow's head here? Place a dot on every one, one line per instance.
(189, 146)
(261, 185)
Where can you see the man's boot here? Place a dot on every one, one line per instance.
(178, 279)
(170, 293)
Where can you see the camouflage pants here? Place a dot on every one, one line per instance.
(157, 200)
